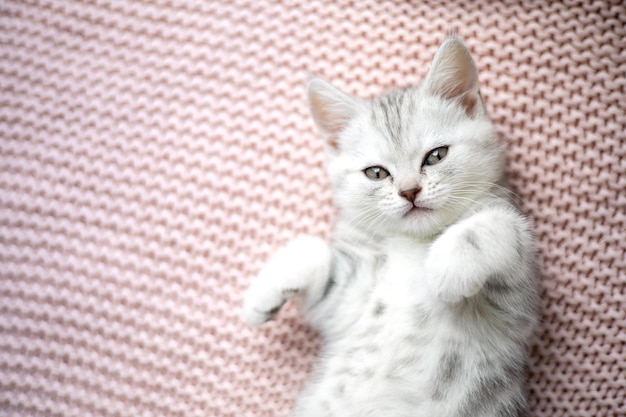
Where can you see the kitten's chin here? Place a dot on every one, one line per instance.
(422, 222)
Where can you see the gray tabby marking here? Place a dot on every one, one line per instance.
(498, 285)
(330, 284)
(472, 239)
(449, 367)
(481, 396)
(379, 310)
(387, 114)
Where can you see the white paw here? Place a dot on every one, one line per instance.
(265, 296)
(300, 267)
(453, 266)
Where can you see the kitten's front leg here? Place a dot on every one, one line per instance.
(468, 253)
(300, 268)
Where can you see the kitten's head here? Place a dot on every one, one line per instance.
(414, 160)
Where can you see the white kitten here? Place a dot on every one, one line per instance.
(426, 299)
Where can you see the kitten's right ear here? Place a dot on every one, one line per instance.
(332, 109)
(453, 75)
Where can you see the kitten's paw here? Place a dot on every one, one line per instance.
(268, 292)
(453, 265)
(301, 267)
(262, 304)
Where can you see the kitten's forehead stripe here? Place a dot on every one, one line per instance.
(390, 115)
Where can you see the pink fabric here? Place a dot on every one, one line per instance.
(153, 154)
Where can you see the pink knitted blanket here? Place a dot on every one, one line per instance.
(154, 153)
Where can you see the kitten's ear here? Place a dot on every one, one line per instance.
(453, 75)
(331, 108)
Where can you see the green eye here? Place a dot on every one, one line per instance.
(376, 173)
(436, 155)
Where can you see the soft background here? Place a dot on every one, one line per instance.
(153, 154)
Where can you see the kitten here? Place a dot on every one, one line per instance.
(426, 298)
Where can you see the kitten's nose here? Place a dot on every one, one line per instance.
(411, 193)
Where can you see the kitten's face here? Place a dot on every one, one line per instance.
(411, 161)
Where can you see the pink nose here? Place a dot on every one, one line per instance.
(410, 194)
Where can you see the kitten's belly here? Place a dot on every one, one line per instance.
(380, 369)
(381, 366)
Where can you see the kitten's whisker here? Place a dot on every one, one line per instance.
(483, 193)
(454, 201)
(489, 184)
(367, 218)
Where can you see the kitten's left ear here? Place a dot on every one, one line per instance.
(453, 75)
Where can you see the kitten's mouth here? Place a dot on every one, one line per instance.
(417, 211)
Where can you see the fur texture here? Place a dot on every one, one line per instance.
(426, 298)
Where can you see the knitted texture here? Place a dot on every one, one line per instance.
(153, 154)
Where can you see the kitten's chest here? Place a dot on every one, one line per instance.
(387, 300)
(402, 281)
(396, 302)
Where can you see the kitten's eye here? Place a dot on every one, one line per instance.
(436, 155)
(376, 173)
